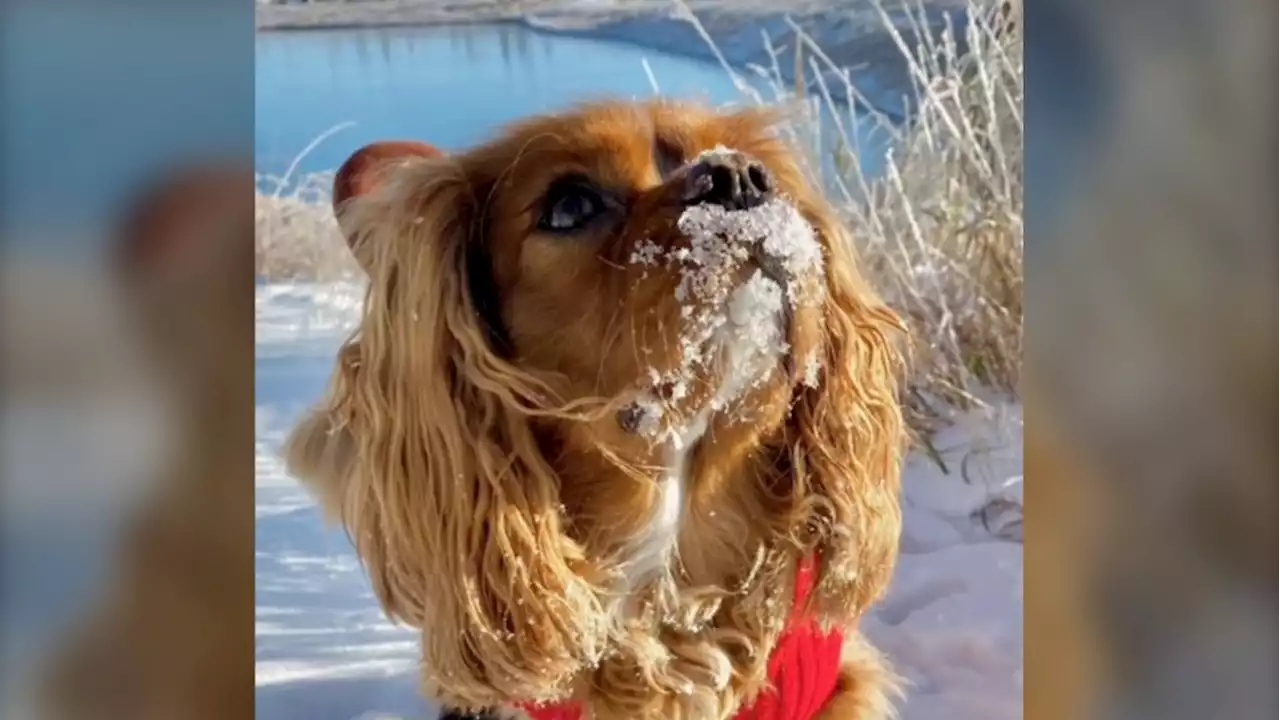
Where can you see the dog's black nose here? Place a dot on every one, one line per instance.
(728, 178)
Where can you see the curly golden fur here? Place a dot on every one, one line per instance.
(471, 445)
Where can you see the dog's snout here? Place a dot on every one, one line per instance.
(730, 179)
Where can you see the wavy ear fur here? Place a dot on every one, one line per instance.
(364, 171)
(425, 449)
(851, 436)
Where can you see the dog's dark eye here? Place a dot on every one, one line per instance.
(570, 206)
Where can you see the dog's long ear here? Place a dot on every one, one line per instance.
(444, 487)
(367, 168)
(852, 437)
(374, 164)
(320, 450)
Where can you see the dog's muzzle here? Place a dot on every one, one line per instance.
(732, 212)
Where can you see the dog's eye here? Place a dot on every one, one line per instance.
(569, 206)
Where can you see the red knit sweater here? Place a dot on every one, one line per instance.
(803, 670)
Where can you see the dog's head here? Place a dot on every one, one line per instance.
(557, 319)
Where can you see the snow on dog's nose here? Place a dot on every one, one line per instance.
(750, 261)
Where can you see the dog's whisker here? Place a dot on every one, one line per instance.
(612, 264)
(612, 335)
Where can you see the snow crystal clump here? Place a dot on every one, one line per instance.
(741, 325)
(715, 152)
(781, 233)
(647, 253)
(812, 366)
(753, 339)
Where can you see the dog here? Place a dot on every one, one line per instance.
(619, 429)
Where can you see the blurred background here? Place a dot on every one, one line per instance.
(1150, 580)
(126, 148)
(165, 170)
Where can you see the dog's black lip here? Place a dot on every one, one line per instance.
(630, 417)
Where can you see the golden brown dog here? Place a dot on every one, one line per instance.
(617, 383)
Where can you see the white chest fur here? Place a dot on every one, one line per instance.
(655, 546)
(749, 344)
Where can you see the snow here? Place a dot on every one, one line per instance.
(951, 623)
(739, 324)
(720, 236)
(324, 648)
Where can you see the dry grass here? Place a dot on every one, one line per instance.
(297, 237)
(940, 229)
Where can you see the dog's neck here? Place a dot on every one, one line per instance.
(692, 513)
(688, 500)
(652, 550)
(695, 507)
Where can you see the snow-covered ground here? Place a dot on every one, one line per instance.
(952, 622)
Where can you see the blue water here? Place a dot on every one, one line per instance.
(451, 86)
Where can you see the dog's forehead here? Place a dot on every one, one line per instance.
(621, 144)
